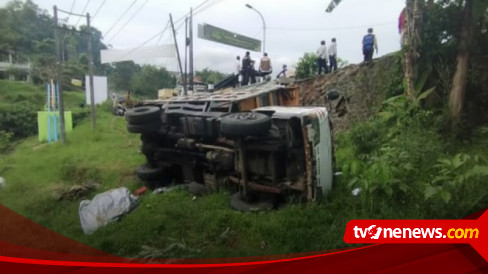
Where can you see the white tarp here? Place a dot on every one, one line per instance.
(99, 89)
(146, 53)
(105, 207)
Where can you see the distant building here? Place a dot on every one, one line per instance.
(14, 67)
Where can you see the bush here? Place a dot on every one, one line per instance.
(18, 119)
(5, 138)
(390, 158)
(79, 116)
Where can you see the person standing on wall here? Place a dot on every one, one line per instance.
(282, 72)
(322, 58)
(369, 45)
(246, 69)
(237, 71)
(333, 55)
(402, 26)
(265, 67)
(252, 72)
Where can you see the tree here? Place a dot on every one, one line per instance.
(307, 66)
(122, 74)
(210, 76)
(149, 79)
(457, 94)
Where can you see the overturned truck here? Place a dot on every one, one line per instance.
(255, 139)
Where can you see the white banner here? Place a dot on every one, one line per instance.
(119, 55)
(99, 89)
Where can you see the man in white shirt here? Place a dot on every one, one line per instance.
(333, 55)
(322, 57)
(237, 71)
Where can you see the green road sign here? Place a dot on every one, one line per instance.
(212, 33)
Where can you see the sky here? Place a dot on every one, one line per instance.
(293, 27)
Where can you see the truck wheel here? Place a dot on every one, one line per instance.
(245, 123)
(142, 115)
(147, 173)
(144, 128)
(263, 204)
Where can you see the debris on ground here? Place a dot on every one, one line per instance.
(170, 188)
(141, 191)
(105, 207)
(75, 192)
(356, 191)
(2, 182)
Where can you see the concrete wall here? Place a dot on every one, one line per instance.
(362, 87)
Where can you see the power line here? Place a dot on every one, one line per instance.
(99, 8)
(328, 29)
(83, 12)
(127, 22)
(71, 9)
(161, 36)
(120, 18)
(162, 32)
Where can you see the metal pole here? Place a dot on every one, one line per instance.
(176, 44)
(264, 26)
(48, 113)
(59, 77)
(186, 57)
(90, 73)
(191, 49)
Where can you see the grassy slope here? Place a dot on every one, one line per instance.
(172, 224)
(33, 173)
(20, 92)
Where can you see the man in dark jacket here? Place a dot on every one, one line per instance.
(246, 68)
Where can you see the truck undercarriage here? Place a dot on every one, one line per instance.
(247, 143)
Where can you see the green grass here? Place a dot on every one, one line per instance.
(173, 225)
(13, 92)
(205, 227)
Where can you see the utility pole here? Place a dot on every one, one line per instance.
(186, 57)
(191, 49)
(59, 77)
(90, 73)
(176, 45)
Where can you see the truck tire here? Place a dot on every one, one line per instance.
(245, 123)
(147, 173)
(143, 115)
(237, 203)
(144, 128)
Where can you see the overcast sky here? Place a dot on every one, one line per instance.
(292, 27)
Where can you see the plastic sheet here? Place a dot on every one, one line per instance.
(105, 207)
